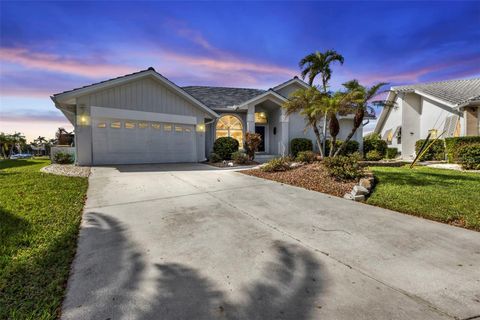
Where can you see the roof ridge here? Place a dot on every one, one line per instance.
(220, 87)
(434, 82)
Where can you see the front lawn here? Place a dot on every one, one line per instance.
(39, 220)
(438, 194)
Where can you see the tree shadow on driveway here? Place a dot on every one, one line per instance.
(108, 284)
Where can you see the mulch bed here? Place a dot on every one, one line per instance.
(225, 165)
(68, 170)
(311, 176)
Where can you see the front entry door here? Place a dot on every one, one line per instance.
(261, 131)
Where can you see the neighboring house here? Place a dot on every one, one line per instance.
(145, 118)
(448, 107)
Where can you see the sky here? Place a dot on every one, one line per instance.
(49, 47)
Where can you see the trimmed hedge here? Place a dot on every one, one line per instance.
(300, 144)
(391, 153)
(344, 167)
(453, 146)
(351, 148)
(224, 147)
(371, 143)
(470, 156)
(435, 152)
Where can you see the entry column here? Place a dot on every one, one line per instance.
(251, 119)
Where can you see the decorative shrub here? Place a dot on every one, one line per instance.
(470, 156)
(252, 142)
(374, 142)
(214, 157)
(300, 144)
(224, 147)
(277, 164)
(306, 156)
(373, 155)
(435, 152)
(63, 158)
(240, 157)
(391, 153)
(344, 167)
(351, 148)
(453, 146)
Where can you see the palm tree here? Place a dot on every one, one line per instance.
(318, 63)
(5, 141)
(308, 102)
(360, 102)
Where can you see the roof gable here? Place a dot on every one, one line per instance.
(453, 93)
(150, 72)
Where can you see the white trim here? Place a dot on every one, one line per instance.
(261, 98)
(289, 82)
(448, 104)
(62, 97)
(102, 112)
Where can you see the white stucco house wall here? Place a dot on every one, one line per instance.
(446, 108)
(145, 118)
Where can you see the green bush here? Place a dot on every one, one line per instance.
(351, 148)
(306, 156)
(374, 142)
(435, 152)
(214, 157)
(224, 147)
(300, 144)
(373, 155)
(344, 167)
(63, 158)
(453, 145)
(240, 157)
(470, 156)
(391, 153)
(277, 164)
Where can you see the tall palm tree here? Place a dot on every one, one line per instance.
(361, 102)
(318, 63)
(309, 103)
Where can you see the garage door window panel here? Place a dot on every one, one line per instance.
(167, 127)
(142, 125)
(129, 125)
(115, 124)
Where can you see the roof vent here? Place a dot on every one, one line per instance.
(151, 68)
(295, 77)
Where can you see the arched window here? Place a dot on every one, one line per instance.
(230, 126)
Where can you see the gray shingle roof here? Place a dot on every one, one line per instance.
(456, 92)
(222, 97)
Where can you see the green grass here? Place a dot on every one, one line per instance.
(437, 194)
(39, 220)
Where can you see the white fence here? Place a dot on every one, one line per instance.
(64, 149)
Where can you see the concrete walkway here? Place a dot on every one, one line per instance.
(193, 242)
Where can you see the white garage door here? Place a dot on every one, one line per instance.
(129, 141)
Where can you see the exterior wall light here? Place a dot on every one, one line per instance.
(201, 127)
(83, 120)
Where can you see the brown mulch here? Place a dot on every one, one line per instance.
(311, 176)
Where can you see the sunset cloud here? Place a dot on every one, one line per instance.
(57, 63)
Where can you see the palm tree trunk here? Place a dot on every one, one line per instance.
(319, 140)
(349, 137)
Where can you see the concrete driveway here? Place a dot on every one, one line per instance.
(195, 242)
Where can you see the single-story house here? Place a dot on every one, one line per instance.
(448, 108)
(145, 118)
